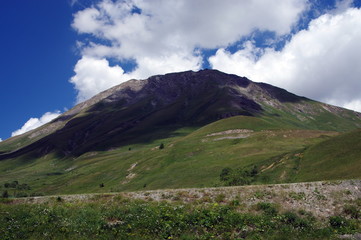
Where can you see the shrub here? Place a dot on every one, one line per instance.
(36, 194)
(337, 222)
(225, 174)
(294, 220)
(254, 171)
(161, 146)
(21, 194)
(239, 176)
(267, 208)
(352, 211)
(220, 198)
(5, 194)
(235, 202)
(297, 195)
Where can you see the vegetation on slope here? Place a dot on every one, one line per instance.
(339, 157)
(189, 158)
(218, 214)
(163, 132)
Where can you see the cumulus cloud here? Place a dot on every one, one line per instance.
(321, 62)
(94, 75)
(33, 123)
(163, 35)
(1, 140)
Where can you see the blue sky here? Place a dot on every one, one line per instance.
(55, 54)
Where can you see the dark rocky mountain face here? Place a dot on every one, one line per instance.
(140, 110)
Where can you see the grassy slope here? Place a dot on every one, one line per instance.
(189, 159)
(339, 157)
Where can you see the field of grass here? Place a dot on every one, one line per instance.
(191, 157)
(251, 212)
(339, 157)
(169, 166)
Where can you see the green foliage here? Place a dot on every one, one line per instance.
(16, 185)
(220, 198)
(18, 190)
(123, 219)
(297, 196)
(338, 222)
(335, 158)
(5, 194)
(225, 174)
(21, 194)
(353, 211)
(267, 208)
(239, 176)
(190, 159)
(294, 220)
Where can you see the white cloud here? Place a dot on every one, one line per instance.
(95, 75)
(33, 123)
(162, 36)
(1, 140)
(322, 62)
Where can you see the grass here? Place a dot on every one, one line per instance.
(339, 157)
(122, 218)
(189, 159)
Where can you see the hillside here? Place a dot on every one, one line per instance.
(207, 121)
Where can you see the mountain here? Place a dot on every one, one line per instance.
(120, 128)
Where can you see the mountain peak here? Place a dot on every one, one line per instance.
(133, 110)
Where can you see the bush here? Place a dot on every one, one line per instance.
(294, 220)
(235, 202)
(161, 146)
(220, 198)
(21, 194)
(36, 194)
(337, 222)
(239, 176)
(352, 211)
(267, 208)
(225, 174)
(5, 194)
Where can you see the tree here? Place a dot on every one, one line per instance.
(161, 146)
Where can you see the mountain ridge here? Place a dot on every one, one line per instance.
(182, 130)
(184, 99)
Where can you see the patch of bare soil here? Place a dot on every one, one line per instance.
(233, 131)
(130, 174)
(229, 134)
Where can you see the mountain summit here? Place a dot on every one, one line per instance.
(132, 111)
(183, 130)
